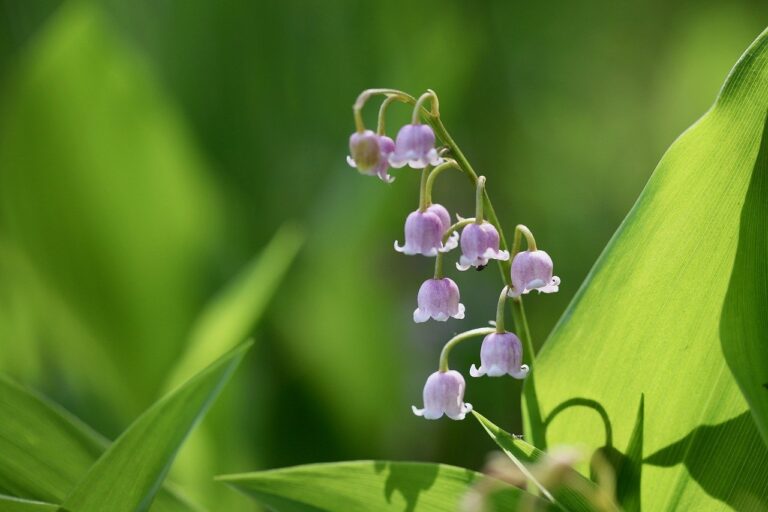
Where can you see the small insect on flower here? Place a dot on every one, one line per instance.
(444, 394)
(500, 354)
(415, 146)
(424, 232)
(438, 299)
(479, 243)
(370, 154)
(532, 270)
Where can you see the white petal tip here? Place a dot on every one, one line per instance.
(416, 411)
(420, 316)
(460, 314)
(474, 372)
(351, 162)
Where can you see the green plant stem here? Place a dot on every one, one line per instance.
(424, 201)
(520, 230)
(535, 422)
(381, 127)
(500, 310)
(448, 164)
(481, 331)
(479, 191)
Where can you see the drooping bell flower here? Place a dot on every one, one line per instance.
(444, 394)
(364, 151)
(415, 146)
(362, 146)
(438, 299)
(479, 243)
(500, 354)
(532, 270)
(424, 232)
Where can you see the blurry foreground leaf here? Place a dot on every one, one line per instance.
(373, 486)
(128, 474)
(46, 451)
(647, 319)
(523, 453)
(11, 504)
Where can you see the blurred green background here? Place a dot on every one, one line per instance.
(151, 150)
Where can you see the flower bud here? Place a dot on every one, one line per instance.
(532, 270)
(444, 394)
(501, 354)
(365, 152)
(415, 146)
(424, 233)
(438, 299)
(479, 243)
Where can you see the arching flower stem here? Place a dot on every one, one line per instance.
(520, 231)
(500, 310)
(482, 331)
(479, 193)
(424, 199)
(448, 164)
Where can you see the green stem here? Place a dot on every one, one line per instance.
(439, 266)
(535, 421)
(424, 201)
(521, 230)
(500, 310)
(429, 95)
(383, 111)
(479, 192)
(448, 164)
(482, 331)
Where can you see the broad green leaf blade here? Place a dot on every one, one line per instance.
(744, 322)
(647, 319)
(130, 472)
(11, 504)
(629, 465)
(523, 453)
(373, 486)
(46, 450)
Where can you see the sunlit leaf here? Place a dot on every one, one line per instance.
(647, 319)
(373, 486)
(127, 476)
(46, 451)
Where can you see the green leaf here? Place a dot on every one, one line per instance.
(104, 194)
(226, 321)
(373, 486)
(46, 450)
(744, 321)
(129, 473)
(647, 319)
(229, 317)
(524, 454)
(11, 504)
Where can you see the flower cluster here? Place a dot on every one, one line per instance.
(429, 232)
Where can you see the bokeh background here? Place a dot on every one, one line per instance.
(159, 157)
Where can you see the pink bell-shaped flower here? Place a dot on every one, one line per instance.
(438, 299)
(479, 243)
(415, 146)
(424, 232)
(532, 270)
(501, 354)
(444, 394)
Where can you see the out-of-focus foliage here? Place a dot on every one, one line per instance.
(657, 306)
(149, 150)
